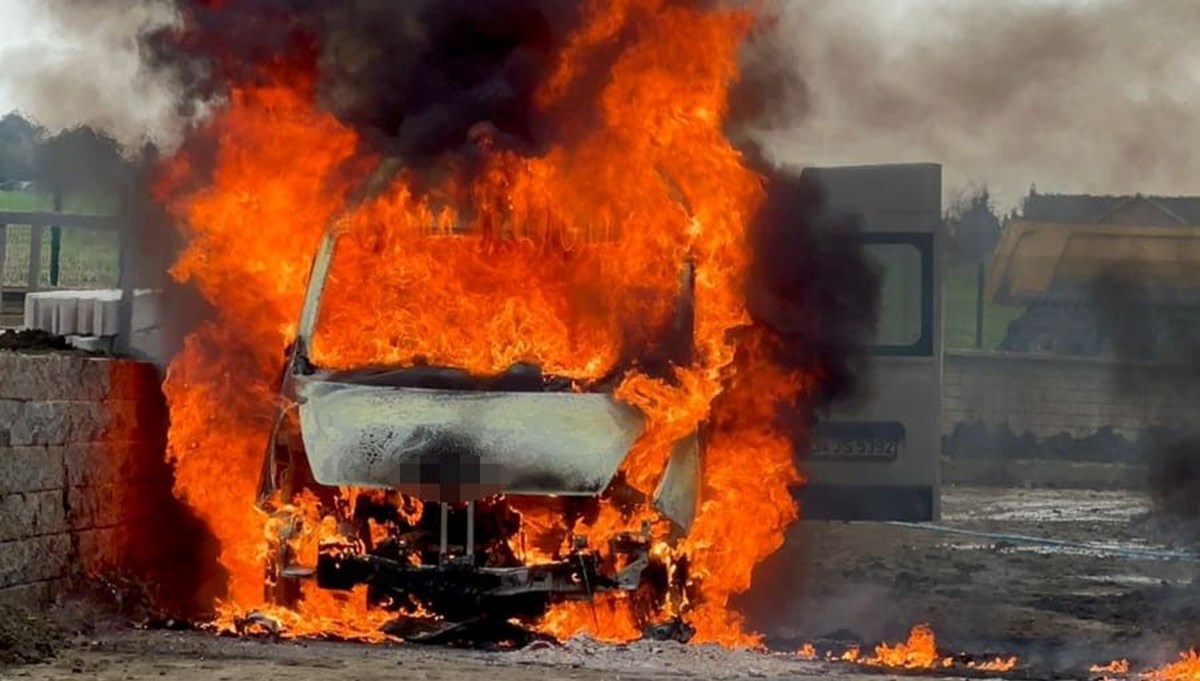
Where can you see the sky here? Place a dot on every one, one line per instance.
(1096, 96)
(80, 65)
(20, 27)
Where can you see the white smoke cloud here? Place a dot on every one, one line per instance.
(1090, 96)
(65, 64)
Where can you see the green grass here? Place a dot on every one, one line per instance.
(72, 203)
(88, 258)
(958, 299)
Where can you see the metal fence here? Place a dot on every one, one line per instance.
(40, 251)
(83, 258)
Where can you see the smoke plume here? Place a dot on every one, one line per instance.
(812, 285)
(82, 64)
(1138, 329)
(1002, 93)
(412, 78)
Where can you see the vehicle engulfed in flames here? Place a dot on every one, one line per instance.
(419, 468)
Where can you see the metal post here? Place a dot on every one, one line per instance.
(470, 529)
(979, 284)
(132, 211)
(56, 240)
(3, 250)
(445, 521)
(34, 275)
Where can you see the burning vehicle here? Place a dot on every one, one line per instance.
(494, 352)
(434, 455)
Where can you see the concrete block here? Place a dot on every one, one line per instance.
(52, 376)
(65, 314)
(85, 315)
(106, 313)
(36, 423)
(145, 313)
(39, 310)
(102, 548)
(33, 595)
(89, 312)
(118, 421)
(58, 422)
(149, 345)
(34, 560)
(128, 380)
(90, 343)
(106, 505)
(31, 469)
(31, 514)
(109, 463)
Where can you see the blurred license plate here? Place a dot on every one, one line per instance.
(857, 440)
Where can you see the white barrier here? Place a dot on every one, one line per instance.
(90, 318)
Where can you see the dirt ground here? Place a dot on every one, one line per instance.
(1109, 588)
(1115, 586)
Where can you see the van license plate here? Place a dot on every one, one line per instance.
(857, 441)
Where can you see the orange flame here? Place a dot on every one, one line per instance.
(1187, 668)
(570, 259)
(919, 652)
(1114, 667)
(996, 664)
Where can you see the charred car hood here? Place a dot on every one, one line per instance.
(454, 445)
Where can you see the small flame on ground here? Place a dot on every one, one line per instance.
(1114, 667)
(918, 652)
(996, 664)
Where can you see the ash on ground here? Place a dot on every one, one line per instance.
(649, 657)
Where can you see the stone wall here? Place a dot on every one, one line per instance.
(1051, 406)
(83, 483)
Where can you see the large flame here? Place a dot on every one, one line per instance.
(571, 259)
(1187, 668)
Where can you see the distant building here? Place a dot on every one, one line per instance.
(1151, 211)
(1075, 260)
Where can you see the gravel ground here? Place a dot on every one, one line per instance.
(138, 656)
(1098, 596)
(1060, 607)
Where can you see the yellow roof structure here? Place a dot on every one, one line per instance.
(1055, 261)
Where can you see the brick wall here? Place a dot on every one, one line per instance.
(1046, 397)
(82, 477)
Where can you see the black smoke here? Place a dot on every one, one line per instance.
(810, 282)
(417, 79)
(1149, 334)
(413, 78)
